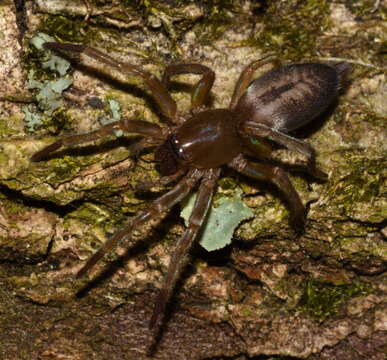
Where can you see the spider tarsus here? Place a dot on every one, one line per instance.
(158, 310)
(143, 187)
(40, 155)
(65, 46)
(96, 257)
(319, 174)
(298, 224)
(81, 272)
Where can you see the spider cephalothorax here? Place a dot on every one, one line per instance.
(194, 149)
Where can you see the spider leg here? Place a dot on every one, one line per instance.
(202, 87)
(164, 100)
(157, 207)
(165, 180)
(290, 142)
(133, 126)
(138, 146)
(246, 76)
(272, 173)
(259, 148)
(180, 254)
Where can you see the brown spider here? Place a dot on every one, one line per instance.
(195, 148)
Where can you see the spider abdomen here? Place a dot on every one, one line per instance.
(288, 97)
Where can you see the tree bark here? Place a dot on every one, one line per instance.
(318, 295)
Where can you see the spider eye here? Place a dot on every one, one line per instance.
(167, 163)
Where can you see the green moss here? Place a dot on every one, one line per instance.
(92, 214)
(365, 175)
(60, 121)
(6, 130)
(365, 8)
(162, 12)
(227, 183)
(322, 300)
(292, 28)
(104, 191)
(369, 117)
(68, 30)
(65, 168)
(357, 187)
(218, 16)
(247, 311)
(14, 207)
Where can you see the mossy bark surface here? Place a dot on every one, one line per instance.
(271, 294)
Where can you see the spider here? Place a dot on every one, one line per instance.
(191, 151)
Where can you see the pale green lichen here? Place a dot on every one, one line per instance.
(31, 118)
(49, 92)
(115, 109)
(115, 115)
(223, 218)
(50, 61)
